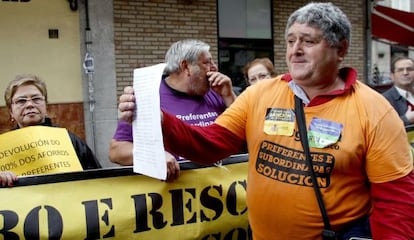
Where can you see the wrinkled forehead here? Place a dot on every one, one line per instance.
(257, 68)
(205, 56)
(404, 63)
(303, 29)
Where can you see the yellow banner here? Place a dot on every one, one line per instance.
(410, 135)
(37, 150)
(204, 203)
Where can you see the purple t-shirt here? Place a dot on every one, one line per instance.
(195, 110)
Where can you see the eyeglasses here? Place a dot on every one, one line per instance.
(36, 100)
(260, 76)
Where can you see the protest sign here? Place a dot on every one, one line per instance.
(204, 203)
(37, 150)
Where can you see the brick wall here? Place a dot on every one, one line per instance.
(145, 29)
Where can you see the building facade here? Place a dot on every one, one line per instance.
(116, 36)
(382, 49)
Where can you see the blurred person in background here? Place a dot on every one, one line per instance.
(400, 95)
(258, 69)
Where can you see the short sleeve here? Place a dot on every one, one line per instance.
(123, 132)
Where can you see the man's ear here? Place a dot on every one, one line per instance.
(343, 49)
(184, 66)
(392, 76)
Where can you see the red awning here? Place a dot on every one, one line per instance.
(393, 25)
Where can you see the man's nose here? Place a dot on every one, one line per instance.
(297, 47)
(213, 67)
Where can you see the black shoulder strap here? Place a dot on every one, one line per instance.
(327, 233)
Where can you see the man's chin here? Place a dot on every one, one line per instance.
(299, 75)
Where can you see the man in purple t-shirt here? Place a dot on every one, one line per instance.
(195, 110)
(193, 90)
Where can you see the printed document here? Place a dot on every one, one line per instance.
(148, 152)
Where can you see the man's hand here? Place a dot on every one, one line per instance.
(173, 167)
(222, 85)
(7, 178)
(127, 104)
(410, 115)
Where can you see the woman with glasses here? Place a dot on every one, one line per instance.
(258, 69)
(26, 100)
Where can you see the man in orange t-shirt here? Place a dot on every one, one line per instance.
(358, 144)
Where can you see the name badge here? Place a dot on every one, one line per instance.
(323, 133)
(279, 121)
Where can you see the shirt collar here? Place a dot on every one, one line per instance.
(347, 74)
(402, 92)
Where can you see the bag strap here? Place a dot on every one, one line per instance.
(327, 233)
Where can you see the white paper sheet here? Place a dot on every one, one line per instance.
(148, 153)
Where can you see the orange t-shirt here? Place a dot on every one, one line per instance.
(371, 147)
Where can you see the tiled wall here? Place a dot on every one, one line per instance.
(67, 115)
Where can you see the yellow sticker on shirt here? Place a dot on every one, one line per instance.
(279, 121)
